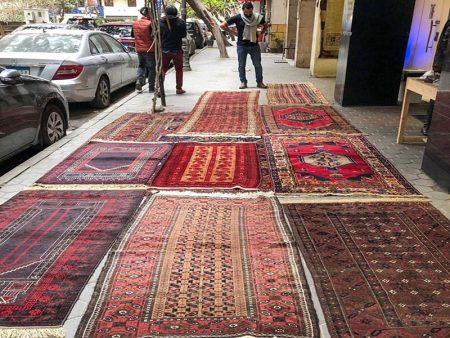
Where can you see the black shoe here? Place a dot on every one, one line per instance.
(138, 87)
(151, 89)
(424, 131)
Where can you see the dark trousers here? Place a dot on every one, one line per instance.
(177, 58)
(147, 64)
(255, 55)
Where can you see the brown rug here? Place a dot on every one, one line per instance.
(294, 93)
(380, 269)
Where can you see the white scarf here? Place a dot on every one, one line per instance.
(251, 25)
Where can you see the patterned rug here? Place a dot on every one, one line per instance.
(216, 165)
(198, 267)
(294, 93)
(141, 127)
(109, 163)
(50, 244)
(303, 120)
(380, 269)
(317, 164)
(224, 114)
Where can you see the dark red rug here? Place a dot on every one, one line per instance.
(109, 163)
(216, 165)
(304, 119)
(318, 164)
(294, 93)
(50, 244)
(380, 269)
(203, 267)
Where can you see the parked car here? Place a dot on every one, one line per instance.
(46, 26)
(87, 65)
(32, 111)
(120, 30)
(195, 29)
(89, 23)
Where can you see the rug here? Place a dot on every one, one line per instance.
(50, 244)
(304, 119)
(140, 127)
(216, 165)
(224, 114)
(294, 93)
(380, 269)
(109, 163)
(199, 267)
(332, 165)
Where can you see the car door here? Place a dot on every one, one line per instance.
(128, 64)
(112, 63)
(19, 117)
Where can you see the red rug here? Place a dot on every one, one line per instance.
(224, 113)
(304, 119)
(109, 163)
(216, 165)
(294, 93)
(380, 269)
(317, 164)
(140, 127)
(51, 243)
(198, 267)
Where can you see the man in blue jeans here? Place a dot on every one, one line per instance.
(247, 24)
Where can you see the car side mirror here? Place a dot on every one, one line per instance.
(130, 49)
(10, 76)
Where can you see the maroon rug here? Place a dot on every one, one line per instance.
(50, 244)
(380, 269)
(109, 163)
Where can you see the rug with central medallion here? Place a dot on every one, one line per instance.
(380, 269)
(50, 244)
(304, 119)
(294, 93)
(216, 165)
(338, 165)
(109, 163)
(140, 127)
(203, 267)
(224, 114)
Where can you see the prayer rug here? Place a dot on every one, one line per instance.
(140, 127)
(216, 165)
(109, 163)
(380, 269)
(304, 119)
(317, 164)
(294, 93)
(224, 113)
(50, 244)
(200, 267)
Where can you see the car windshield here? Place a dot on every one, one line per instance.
(40, 43)
(122, 31)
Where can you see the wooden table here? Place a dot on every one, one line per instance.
(428, 92)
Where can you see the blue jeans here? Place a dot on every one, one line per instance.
(255, 54)
(147, 63)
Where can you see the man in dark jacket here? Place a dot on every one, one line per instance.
(172, 30)
(145, 48)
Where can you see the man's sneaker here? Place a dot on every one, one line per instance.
(261, 85)
(138, 87)
(243, 85)
(151, 89)
(180, 91)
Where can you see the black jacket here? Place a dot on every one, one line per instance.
(171, 38)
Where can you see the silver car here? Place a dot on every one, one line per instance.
(87, 65)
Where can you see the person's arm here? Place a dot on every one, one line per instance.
(226, 26)
(183, 28)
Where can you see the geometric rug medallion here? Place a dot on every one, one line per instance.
(109, 163)
(140, 127)
(50, 244)
(294, 93)
(317, 164)
(216, 165)
(203, 267)
(380, 269)
(304, 119)
(224, 114)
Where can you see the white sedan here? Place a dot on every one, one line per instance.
(87, 65)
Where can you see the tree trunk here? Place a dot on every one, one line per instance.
(204, 14)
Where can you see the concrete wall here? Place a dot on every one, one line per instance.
(305, 25)
(278, 24)
(290, 36)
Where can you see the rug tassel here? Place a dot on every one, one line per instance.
(206, 135)
(40, 186)
(237, 195)
(28, 332)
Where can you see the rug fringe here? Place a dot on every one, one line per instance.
(78, 187)
(31, 332)
(287, 199)
(237, 195)
(214, 135)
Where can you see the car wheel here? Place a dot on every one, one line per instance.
(53, 127)
(102, 94)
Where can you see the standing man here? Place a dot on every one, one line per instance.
(145, 48)
(172, 30)
(247, 24)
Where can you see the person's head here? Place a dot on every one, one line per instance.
(171, 12)
(145, 11)
(247, 9)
